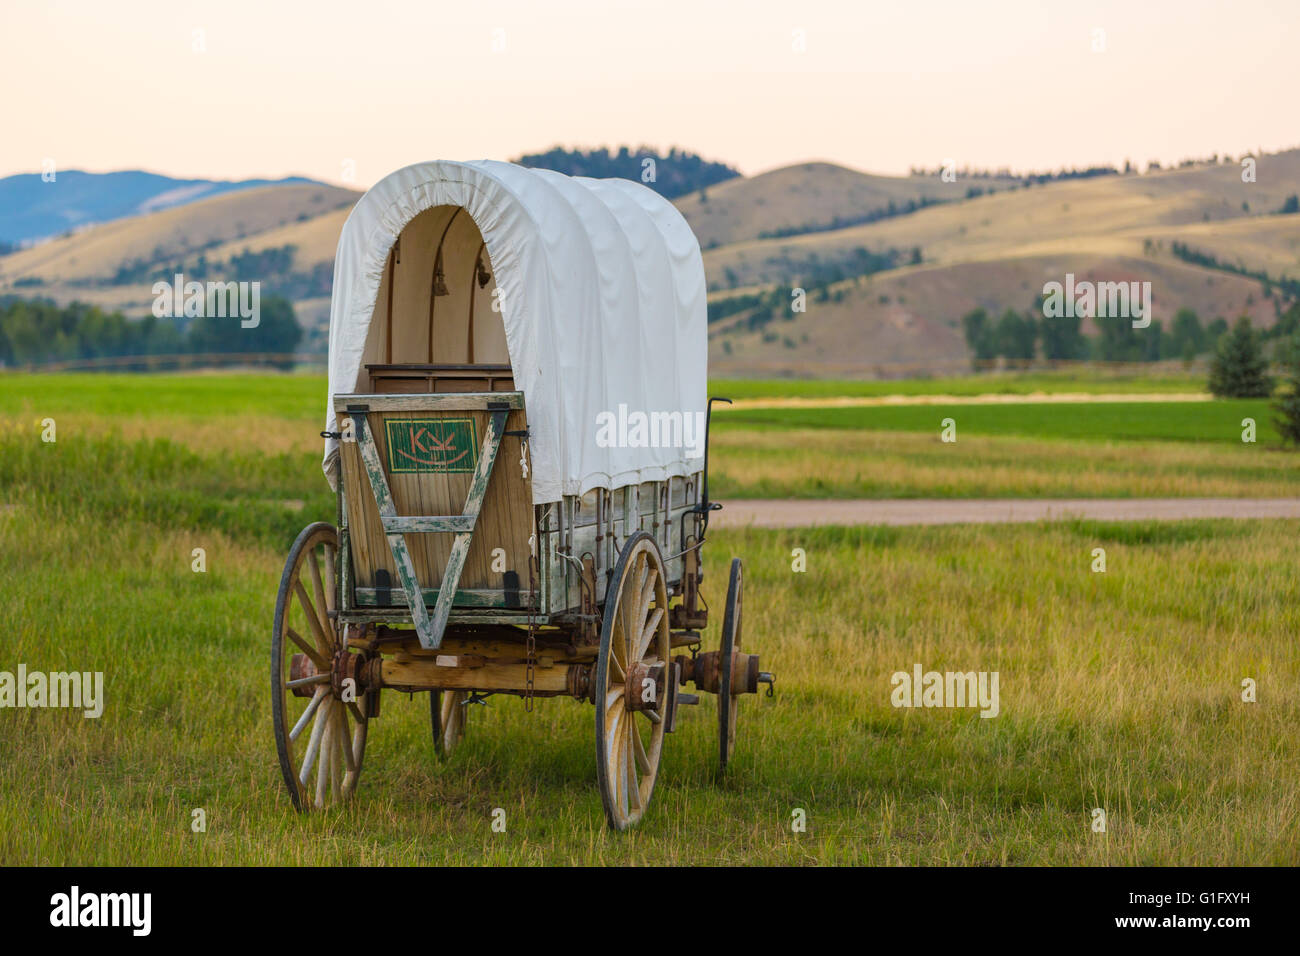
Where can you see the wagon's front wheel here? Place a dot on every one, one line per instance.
(447, 713)
(320, 723)
(631, 682)
(729, 695)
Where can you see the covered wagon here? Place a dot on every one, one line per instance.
(516, 429)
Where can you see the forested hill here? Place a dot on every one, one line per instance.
(673, 174)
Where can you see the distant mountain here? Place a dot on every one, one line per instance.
(674, 174)
(31, 208)
(889, 265)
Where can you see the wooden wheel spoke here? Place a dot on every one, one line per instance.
(305, 681)
(638, 747)
(613, 720)
(318, 589)
(648, 633)
(635, 611)
(646, 595)
(307, 649)
(345, 742)
(629, 746)
(324, 764)
(307, 714)
(618, 645)
(358, 747)
(313, 745)
(323, 643)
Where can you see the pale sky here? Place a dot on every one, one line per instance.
(278, 89)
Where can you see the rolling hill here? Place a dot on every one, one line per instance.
(809, 197)
(32, 208)
(891, 263)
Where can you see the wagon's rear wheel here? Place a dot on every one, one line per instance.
(447, 713)
(631, 682)
(320, 729)
(729, 702)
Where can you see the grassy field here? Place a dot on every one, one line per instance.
(1212, 422)
(831, 463)
(212, 393)
(1118, 690)
(1092, 381)
(1012, 450)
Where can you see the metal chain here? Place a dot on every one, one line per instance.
(532, 627)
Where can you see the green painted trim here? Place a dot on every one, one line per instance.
(427, 524)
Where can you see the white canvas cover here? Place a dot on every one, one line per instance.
(602, 296)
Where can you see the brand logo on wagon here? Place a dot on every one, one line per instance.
(431, 445)
(639, 429)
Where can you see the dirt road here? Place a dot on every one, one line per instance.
(798, 513)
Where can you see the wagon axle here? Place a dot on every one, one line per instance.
(706, 672)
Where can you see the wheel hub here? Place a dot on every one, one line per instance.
(645, 684)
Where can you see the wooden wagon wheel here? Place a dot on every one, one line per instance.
(729, 703)
(630, 686)
(447, 713)
(304, 641)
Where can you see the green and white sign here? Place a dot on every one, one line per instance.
(431, 445)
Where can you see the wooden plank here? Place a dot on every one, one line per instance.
(425, 673)
(431, 634)
(423, 524)
(452, 401)
(504, 522)
(396, 542)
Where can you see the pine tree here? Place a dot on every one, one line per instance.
(1239, 369)
(1287, 404)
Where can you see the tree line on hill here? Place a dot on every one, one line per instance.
(674, 174)
(37, 331)
(1024, 179)
(1024, 336)
(1206, 260)
(1239, 356)
(274, 267)
(819, 278)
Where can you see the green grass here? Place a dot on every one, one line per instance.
(1118, 690)
(1139, 449)
(751, 462)
(1217, 422)
(170, 395)
(1091, 381)
(293, 396)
